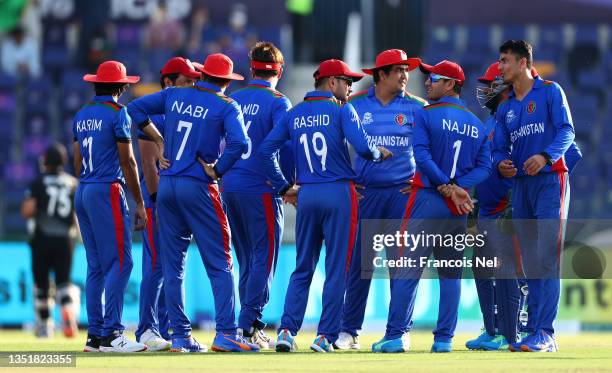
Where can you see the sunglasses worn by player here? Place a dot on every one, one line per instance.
(436, 78)
(348, 81)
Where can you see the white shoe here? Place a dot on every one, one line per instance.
(121, 344)
(406, 341)
(262, 340)
(346, 341)
(154, 342)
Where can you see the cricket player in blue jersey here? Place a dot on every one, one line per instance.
(452, 154)
(154, 323)
(318, 129)
(254, 209)
(387, 112)
(104, 159)
(534, 131)
(188, 200)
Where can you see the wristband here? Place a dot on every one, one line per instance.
(548, 158)
(153, 197)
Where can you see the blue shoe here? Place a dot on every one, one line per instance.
(541, 342)
(476, 344)
(441, 347)
(188, 344)
(496, 344)
(401, 344)
(232, 343)
(516, 346)
(321, 344)
(285, 342)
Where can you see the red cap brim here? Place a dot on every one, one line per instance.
(412, 63)
(485, 80)
(232, 76)
(92, 78)
(425, 68)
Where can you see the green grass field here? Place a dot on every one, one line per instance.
(584, 352)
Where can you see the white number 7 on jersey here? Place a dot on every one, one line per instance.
(183, 124)
(457, 147)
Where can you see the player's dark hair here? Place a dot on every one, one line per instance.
(385, 69)
(265, 51)
(320, 82)
(110, 89)
(519, 48)
(457, 88)
(172, 77)
(214, 80)
(55, 157)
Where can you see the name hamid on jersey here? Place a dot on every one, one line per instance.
(89, 125)
(526, 130)
(311, 121)
(464, 129)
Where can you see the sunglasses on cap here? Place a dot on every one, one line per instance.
(436, 78)
(348, 81)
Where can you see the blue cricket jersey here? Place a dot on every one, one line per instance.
(98, 126)
(262, 108)
(158, 121)
(493, 193)
(318, 128)
(449, 143)
(197, 119)
(389, 126)
(541, 122)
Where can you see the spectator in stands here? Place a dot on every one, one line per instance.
(202, 34)
(20, 55)
(164, 32)
(238, 38)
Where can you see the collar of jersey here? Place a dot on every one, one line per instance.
(209, 86)
(265, 83)
(451, 100)
(326, 94)
(372, 93)
(104, 98)
(537, 83)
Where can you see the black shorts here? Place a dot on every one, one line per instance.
(51, 254)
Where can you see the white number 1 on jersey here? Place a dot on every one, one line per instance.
(457, 147)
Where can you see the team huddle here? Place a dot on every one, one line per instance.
(220, 168)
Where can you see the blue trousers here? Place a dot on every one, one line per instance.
(377, 203)
(256, 222)
(326, 212)
(104, 221)
(188, 206)
(152, 312)
(539, 212)
(427, 211)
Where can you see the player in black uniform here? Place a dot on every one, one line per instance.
(49, 202)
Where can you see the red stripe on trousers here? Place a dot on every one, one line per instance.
(213, 190)
(115, 197)
(562, 180)
(150, 238)
(407, 214)
(270, 225)
(353, 225)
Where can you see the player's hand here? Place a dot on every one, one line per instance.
(141, 218)
(506, 168)
(534, 164)
(407, 189)
(163, 162)
(209, 169)
(291, 195)
(359, 195)
(445, 190)
(384, 153)
(461, 199)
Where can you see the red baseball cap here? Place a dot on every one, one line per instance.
(393, 57)
(335, 67)
(491, 74)
(111, 72)
(220, 66)
(445, 68)
(180, 65)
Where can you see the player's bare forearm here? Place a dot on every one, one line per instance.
(127, 161)
(78, 159)
(148, 157)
